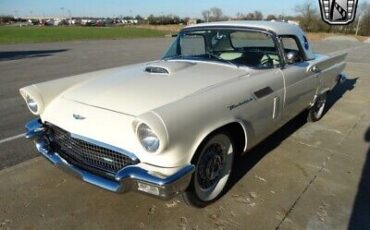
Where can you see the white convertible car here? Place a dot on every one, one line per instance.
(174, 126)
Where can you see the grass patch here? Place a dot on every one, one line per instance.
(13, 34)
(321, 35)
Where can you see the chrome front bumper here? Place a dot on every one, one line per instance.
(131, 177)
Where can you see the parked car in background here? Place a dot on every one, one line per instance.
(174, 126)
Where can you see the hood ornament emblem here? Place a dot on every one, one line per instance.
(78, 117)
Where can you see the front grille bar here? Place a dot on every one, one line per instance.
(86, 154)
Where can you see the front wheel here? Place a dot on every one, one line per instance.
(316, 112)
(213, 163)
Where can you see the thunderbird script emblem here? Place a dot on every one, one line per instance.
(78, 117)
(338, 12)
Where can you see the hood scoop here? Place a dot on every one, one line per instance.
(157, 70)
(166, 67)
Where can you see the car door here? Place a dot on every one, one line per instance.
(269, 93)
(261, 91)
(259, 101)
(300, 82)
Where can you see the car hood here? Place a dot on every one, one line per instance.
(140, 88)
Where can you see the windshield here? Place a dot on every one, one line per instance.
(237, 47)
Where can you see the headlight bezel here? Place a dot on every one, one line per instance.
(33, 99)
(32, 104)
(145, 135)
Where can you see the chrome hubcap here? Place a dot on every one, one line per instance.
(211, 165)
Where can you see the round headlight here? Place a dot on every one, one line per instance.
(32, 104)
(148, 139)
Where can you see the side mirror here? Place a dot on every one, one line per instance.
(292, 57)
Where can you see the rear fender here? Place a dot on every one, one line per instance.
(327, 69)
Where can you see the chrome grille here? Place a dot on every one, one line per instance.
(87, 155)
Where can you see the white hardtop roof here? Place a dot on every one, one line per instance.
(279, 28)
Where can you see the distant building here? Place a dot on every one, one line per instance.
(293, 22)
(192, 21)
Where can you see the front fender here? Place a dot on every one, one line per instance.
(203, 135)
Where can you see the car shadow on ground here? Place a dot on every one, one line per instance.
(360, 217)
(339, 90)
(244, 163)
(16, 55)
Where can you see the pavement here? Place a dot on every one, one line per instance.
(304, 176)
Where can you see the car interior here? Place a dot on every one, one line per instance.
(253, 49)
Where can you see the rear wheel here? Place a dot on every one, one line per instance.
(317, 110)
(213, 163)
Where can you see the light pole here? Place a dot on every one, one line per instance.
(359, 21)
(70, 17)
(62, 9)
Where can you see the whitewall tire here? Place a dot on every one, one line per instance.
(316, 112)
(213, 164)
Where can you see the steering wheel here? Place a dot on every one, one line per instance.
(268, 62)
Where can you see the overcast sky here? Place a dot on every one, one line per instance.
(110, 8)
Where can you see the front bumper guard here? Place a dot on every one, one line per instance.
(129, 178)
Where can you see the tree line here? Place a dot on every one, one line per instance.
(307, 15)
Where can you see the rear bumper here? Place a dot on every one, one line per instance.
(131, 177)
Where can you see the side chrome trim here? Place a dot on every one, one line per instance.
(275, 108)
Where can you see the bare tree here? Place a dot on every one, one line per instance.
(239, 15)
(308, 15)
(258, 15)
(206, 15)
(271, 17)
(250, 16)
(213, 14)
(364, 19)
(216, 14)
